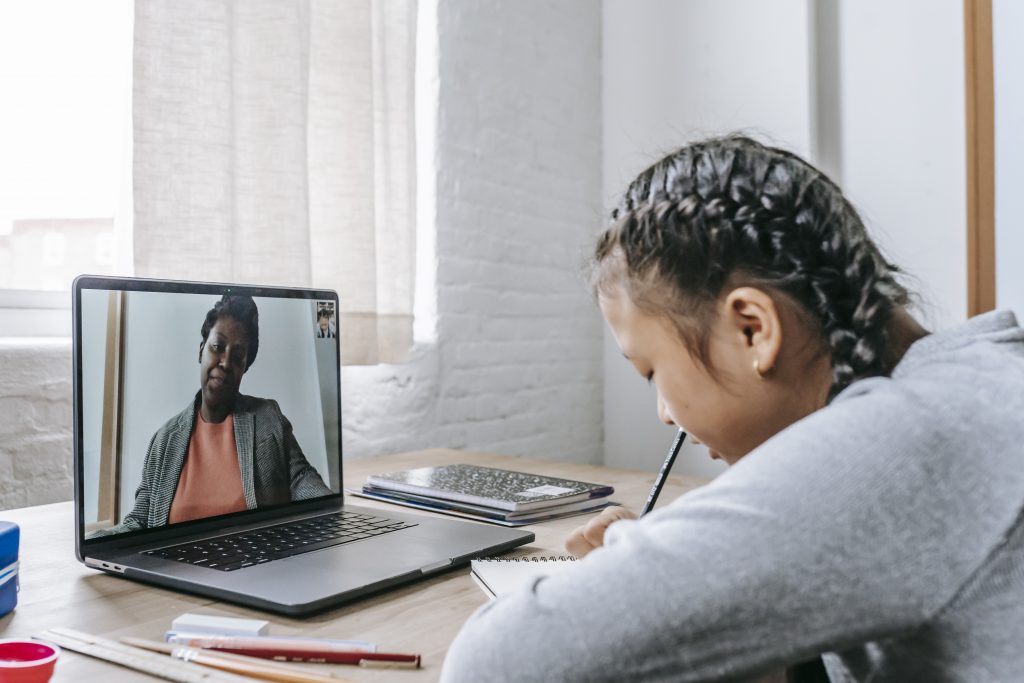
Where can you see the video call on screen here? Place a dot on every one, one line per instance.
(199, 405)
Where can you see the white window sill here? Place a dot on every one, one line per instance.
(25, 313)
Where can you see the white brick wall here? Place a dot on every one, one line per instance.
(517, 365)
(519, 153)
(35, 422)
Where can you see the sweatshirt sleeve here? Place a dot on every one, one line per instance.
(857, 523)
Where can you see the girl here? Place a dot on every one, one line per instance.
(873, 513)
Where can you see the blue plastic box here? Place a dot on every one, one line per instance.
(9, 536)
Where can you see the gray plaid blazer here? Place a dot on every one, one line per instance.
(274, 470)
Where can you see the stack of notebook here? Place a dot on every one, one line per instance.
(487, 494)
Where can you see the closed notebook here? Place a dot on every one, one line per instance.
(488, 486)
(482, 513)
(501, 575)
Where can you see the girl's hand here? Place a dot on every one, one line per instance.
(591, 535)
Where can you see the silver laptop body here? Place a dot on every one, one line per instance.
(136, 368)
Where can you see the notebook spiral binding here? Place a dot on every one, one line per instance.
(524, 558)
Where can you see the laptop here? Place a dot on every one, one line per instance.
(208, 451)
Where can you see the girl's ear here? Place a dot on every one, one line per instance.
(753, 318)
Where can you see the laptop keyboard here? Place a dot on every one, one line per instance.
(249, 548)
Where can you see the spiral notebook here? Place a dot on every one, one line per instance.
(500, 575)
(489, 486)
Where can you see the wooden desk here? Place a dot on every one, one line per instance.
(423, 617)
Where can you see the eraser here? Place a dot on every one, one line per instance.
(205, 623)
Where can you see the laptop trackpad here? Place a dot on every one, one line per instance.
(311, 576)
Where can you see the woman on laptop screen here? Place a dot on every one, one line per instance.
(225, 451)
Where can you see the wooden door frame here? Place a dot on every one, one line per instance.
(981, 170)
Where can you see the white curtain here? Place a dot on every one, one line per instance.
(274, 144)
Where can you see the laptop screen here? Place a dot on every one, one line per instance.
(197, 400)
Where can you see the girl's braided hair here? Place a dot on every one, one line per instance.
(731, 211)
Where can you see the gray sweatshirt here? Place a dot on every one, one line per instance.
(884, 531)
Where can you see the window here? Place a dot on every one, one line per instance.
(275, 144)
(254, 141)
(65, 78)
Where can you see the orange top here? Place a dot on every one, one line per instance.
(211, 481)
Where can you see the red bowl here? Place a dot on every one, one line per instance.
(26, 661)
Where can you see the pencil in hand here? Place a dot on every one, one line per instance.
(659, 482)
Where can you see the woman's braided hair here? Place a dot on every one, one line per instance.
(731, 211)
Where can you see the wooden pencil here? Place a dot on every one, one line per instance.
(239, 664)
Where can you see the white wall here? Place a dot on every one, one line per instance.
(902, 140)
(511, 154)
(518, 192)
(871, 90)
(1007, 21)
(35, 421)
(674, 72)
